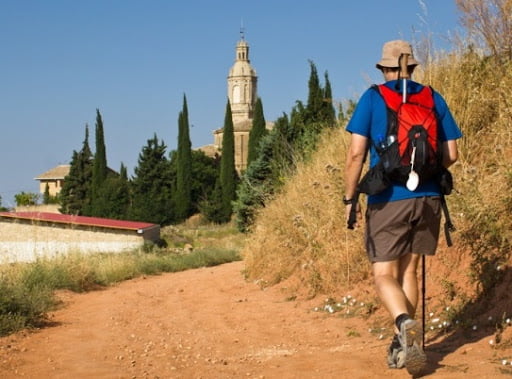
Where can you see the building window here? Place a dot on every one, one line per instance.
(236, 94)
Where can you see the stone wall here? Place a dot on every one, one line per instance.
(26, 241)
(49, 208)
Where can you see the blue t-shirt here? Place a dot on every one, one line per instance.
(370, 120)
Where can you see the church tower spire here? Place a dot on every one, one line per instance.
(242, 83)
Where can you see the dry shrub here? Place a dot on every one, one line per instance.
(478, 90)
(303, 233)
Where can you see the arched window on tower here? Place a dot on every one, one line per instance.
(236, 94)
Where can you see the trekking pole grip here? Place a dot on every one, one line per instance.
(352, 218)
(404, 74)
(403, 61)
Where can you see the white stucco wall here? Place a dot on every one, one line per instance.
(25, 242)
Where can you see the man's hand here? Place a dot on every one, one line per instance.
(354, 222)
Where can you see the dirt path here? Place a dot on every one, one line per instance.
(210, 323)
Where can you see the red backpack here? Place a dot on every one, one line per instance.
(411, 148)
(413, 125)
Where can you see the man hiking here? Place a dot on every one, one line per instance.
(403, 218)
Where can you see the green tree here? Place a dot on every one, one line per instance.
(182, 199)
(257, 132)
(100, 170)
(75, 193)
(2, 208)
(315, 96)
(264, 177)
(328, 114)
(256, 185)
(152, 185)
(47, 198)
(318, 114)
(211, 206)
(205, 174)
(114, 195)
(46, 195)
(227, 166)
(26, 198)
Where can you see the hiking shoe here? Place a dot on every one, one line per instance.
(396, 355)
(411, 339)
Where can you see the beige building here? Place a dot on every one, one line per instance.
(54, 178)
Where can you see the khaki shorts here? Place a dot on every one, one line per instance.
(397, 228)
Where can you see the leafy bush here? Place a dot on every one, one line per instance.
(23, 305)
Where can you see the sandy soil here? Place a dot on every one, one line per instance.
(211, 323)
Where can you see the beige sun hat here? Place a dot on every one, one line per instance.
(391, 52)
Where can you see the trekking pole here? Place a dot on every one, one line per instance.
(423, 291)
(404, 74)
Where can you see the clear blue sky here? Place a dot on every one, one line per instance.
(134, 61)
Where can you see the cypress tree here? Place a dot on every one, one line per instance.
(99, 172)
(123, 200)
(227, 166)
(315, 96)
(76, 190)
(257, 132)
(317, 114)
(328, 112)
(46, 196)
(184, 166)
(100, 157)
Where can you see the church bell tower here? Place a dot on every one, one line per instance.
(242, 95)
(242, 84)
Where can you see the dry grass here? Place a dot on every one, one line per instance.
(479, 92)
(303, 231)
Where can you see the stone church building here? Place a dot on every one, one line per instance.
(242, 95)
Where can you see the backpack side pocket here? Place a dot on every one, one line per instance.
(374, 181)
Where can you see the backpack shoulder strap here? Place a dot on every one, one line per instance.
(392, 99)
(424, 97)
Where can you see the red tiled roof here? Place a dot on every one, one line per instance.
(78, 220)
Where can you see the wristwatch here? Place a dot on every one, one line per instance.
(347, 201)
